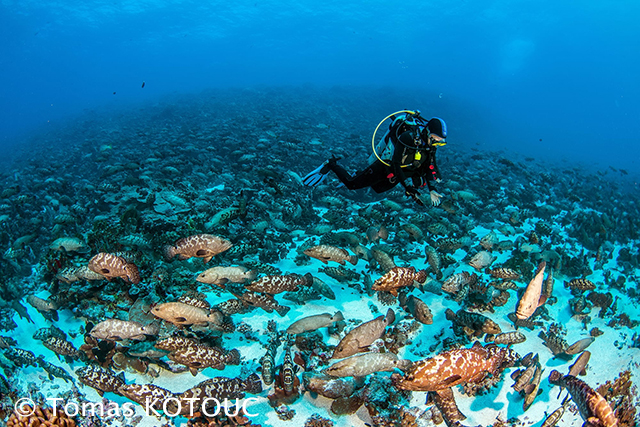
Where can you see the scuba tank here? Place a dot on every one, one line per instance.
(408, 121)
(384, 148)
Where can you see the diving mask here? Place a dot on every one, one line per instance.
(437, 141)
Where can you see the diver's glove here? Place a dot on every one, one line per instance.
(414, 194)
(435, 197)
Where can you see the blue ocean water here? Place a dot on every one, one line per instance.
(138, 123)
(555, 81)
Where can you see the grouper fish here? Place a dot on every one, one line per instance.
(116, 329)
(311, 323)
(362, 336)
(361, 365)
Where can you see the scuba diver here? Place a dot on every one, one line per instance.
(407, 150)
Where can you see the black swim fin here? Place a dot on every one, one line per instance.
(316, 176)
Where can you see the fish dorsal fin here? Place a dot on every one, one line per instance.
(391, 316)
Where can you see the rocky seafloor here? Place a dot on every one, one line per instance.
(131, 182)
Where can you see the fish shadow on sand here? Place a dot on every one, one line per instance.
(516, 401)
(487, 401)
(560, 362)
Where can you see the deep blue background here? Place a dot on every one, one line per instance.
(521, 71)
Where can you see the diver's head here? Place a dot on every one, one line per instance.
(436, 132)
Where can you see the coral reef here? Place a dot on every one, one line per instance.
(222, 420)
(285, 413)
(622, 395)
(316, 420)
(40, 416)
(385, 403)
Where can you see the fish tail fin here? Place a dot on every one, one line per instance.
(252, 384)
(215, 317)
(283, 310)
(383, 233)
(308, 279)
(169, 252)
(554, 377)
(132, 273)
(121, 377)
(353, 259)
(420, 276)
(233, 357)
(390, 317)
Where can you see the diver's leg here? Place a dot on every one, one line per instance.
(366, 178)
(382, 186)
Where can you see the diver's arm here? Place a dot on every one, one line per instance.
(433, 175)
(437, 175)
(396, 165)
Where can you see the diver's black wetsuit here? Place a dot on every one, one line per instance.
(381, 177)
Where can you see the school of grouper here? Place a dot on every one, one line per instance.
(133, 227)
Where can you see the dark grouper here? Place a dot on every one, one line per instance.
(362, 336)
(595, 411)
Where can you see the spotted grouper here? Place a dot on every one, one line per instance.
(457, 366)
(204, 246)
(111, 265)
(399, 277)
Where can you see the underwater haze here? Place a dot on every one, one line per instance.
(553, 80)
